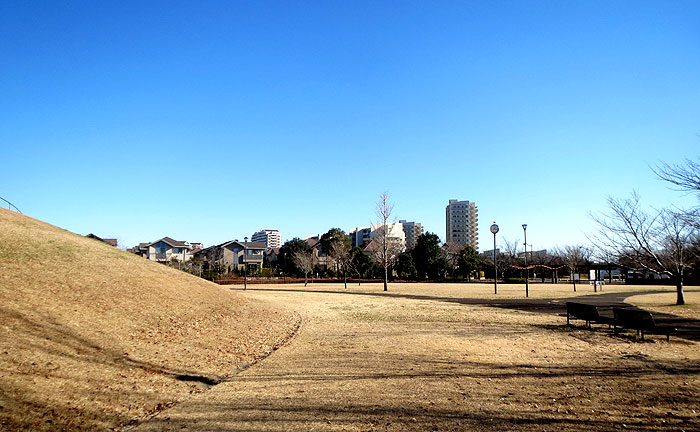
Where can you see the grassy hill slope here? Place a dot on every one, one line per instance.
(92, 336)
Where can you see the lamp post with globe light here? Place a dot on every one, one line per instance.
(494, 230)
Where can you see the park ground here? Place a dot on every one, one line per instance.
(452, 357)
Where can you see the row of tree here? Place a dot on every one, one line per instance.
(428, 260)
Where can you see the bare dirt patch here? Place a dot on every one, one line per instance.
(365, 360)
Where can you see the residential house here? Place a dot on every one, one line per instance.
(270, 257)
(165, 249)
(140, 250)
(233, 255)
(321, 258)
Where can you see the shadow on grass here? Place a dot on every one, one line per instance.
(58, 340)
(688, 328)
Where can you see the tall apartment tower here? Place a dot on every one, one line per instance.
(462, 223)
(413, 230)
(271, 238)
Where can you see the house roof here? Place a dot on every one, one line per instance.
(171, 242)
(248, 245)
(111, 242)
(312, 242)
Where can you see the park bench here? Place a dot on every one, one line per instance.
(586, 312)
(640, 320)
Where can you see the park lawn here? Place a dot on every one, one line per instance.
(415, 359)
(666, 303)
(92, 337)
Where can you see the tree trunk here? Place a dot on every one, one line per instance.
(306, 279)
(386, 278)
(345, 279)
(680, 298)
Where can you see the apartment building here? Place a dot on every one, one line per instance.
(412, 231)
(362, 236)
(271, 238)
(462, 223)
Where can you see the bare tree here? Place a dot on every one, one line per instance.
(304, 260)
(340, 252)
(451, 252)
(508, 257)
(659, 242)
(685, 176)
(386, 248)
(574, 257)
(510, 248)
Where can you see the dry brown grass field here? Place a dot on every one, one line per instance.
(453, 357)
(92, 337)
(96, 339)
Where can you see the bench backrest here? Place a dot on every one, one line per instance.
(634, 318)
(582, 311)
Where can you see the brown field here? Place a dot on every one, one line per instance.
(423, 357)
(93, 338)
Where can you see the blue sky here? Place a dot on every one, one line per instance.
(207, 121)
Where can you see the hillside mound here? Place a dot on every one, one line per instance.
(92, 337)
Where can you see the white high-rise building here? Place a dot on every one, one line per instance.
(413, 230)
(362, 236)
(462, 223)
(271, 238)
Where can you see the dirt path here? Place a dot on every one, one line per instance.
(390, 362)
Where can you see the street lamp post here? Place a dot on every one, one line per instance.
(494, 230)
(527, 270)
(245, 263)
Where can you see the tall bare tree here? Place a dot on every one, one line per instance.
(304, 260)
(574, 257)
(659, 241)
(386, 248)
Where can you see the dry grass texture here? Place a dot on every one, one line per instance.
(368, 361)
(92, 336)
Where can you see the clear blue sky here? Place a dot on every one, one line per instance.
(206, 121)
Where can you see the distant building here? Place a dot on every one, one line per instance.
(111, 242)
(271, 238)
(412, 230)
(320, 256)
(141, 250)
(233, 255)
(166, 249)
(489, 253)
(362, 236)
(462, 223)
